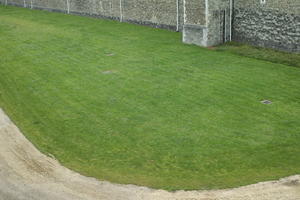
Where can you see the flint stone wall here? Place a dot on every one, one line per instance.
(156, 13)
(275, 24)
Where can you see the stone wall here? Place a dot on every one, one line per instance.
(45, 4)
(273, 24)
(195, 12)
(156, 13)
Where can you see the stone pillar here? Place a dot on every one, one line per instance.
(195, 25)
(206, 22)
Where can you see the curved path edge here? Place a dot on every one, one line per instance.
(27, 174)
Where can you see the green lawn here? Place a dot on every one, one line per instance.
(292, 59)
(133, 104)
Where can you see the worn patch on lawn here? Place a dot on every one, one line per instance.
(109, 72)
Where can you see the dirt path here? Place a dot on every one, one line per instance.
(26, 174)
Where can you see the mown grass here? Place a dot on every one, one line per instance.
(132, 104)
(275, 56)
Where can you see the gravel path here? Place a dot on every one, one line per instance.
(27, 174)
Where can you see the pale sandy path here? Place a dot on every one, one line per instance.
(26, 174)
